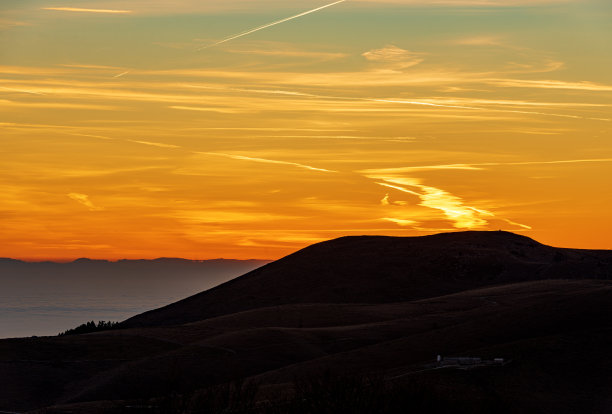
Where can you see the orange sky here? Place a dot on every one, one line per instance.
(250, 129)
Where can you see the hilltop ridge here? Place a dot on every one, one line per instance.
(383, 269)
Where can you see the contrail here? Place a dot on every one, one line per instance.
(269, 25)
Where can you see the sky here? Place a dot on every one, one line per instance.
(252, 128)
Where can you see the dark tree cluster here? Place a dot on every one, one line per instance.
(91, 326)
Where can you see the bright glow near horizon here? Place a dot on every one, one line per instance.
(125, 135)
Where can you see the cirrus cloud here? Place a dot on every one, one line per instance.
(394, 56)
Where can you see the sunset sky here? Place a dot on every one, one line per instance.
(252, 128)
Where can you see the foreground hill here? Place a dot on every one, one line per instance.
(546, 311)
(372, 269)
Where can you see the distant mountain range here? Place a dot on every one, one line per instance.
(380, 308)
(43, 298)
(128, 274)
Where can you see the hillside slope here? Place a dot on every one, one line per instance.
(544, 327)
(358, 306)
(376, 269)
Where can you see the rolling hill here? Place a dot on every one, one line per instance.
(359, 318)
(376, 269)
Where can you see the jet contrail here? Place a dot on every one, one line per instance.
(269, 25)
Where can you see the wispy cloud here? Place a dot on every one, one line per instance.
(292, 53)
(224, 216)
(84, 200)
(478, 3)
(401, 222)
(55, 105)
(5, 24)
(265, 160)
(422, 168)
(514, 223)
(452, 206)
(483, 40)
(154, 144)
(478, 166)
(394, 56)
(267, 48)
(92, 136)
(79, 10)
(265, 26)
(206, 109)
(21, 91)
(551, 84)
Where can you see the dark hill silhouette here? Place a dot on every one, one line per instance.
(377, 269)
(360, 306)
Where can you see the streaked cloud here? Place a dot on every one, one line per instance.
(79, 10)
(7, 24)
(483, 40)
(478, 166)
(422, 168)
(523, 226)
(478, 3)
(265, 161)
(292, 53)
(452, 206)
(84, 200)
(223, 216)
(394, 56)
(56, 105)
(385, 200)
(551, 84)
(206, 109)
(154, 144)
(265, 26)
(401, 222)
(20, 91)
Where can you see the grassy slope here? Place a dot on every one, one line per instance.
(390, 339)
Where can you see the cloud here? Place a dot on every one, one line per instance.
(56, 105)
(265, 26)
(91, 136)
(550, 84)
(21, 91)
(483, 40)
(461, 3)
(6, 24)
(153, 144)
(524, 226)
(282, 49)
(207, 109)
(401, 222)
(78, 10)
(477, 166)
(452, 206)
(393, 55)
(266, 161)
(292, 53)
(421, 168)
(223, 216)
(84, 200)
